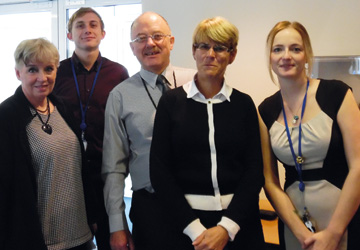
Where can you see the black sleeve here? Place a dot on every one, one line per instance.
(330, 95)
(162, 178)
(5, 180)
(244, 205)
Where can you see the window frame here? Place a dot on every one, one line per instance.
(58, 9)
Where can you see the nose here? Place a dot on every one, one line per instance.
(87, 29)
(42, 76)
(287, 54)
(150, 42)
(211, 52)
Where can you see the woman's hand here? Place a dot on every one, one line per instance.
(214, 238)
(323, 240)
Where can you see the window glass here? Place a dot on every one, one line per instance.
(15, 28)
(115, 46)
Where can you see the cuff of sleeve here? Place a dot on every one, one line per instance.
(194, 229)
(117, 222)
(231, 226)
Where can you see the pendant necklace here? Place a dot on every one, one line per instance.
(295, 117)
(45, 125)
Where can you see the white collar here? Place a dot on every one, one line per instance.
(193, 92)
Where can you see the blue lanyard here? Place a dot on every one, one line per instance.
(298, 160)
(83, 111)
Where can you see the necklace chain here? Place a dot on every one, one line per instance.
(44, 111)
(295, 116)
(45, 125)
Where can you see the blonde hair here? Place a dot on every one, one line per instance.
(218, 30)
(36, 50)
(81, 12)
(305, 38)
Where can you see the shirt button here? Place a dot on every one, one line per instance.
(209, 102)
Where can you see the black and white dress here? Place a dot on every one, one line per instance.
(325, 168)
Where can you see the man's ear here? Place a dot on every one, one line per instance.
(69, 36)
(172, 41)
(132, 47)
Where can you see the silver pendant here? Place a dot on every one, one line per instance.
(295, 119)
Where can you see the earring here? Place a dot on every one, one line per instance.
(307, 69)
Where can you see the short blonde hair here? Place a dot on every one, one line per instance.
(218, 30)
(36, 50)
(305, 38)
(81, 12)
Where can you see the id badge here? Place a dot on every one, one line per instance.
(309, 223)
(84, 140)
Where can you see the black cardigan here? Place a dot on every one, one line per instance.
(180, 155)
(20, 227)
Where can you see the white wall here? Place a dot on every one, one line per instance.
(333, 25)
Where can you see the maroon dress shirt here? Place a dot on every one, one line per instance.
(110, 75)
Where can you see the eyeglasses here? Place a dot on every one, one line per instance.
(217, 48)
(157, 37)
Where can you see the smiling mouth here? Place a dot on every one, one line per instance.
(42, 86)
(287, 65)
(151, 51)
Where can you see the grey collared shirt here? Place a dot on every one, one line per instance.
(129, 120)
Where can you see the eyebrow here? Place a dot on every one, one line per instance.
(82, 22)
(291, 45)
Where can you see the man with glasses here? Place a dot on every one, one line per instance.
(84, 82)
(129, 119)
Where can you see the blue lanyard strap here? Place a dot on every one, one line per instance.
(83, 110)
(298, 160)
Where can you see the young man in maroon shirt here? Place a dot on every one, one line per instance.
(84, 82)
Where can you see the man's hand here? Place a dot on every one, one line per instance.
(121, 240)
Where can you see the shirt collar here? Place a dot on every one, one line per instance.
(194, 93)
(150, 77)
(79, 66)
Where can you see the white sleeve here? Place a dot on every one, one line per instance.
(231, 226)
(194, 229)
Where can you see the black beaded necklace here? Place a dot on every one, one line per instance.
(45, 125)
